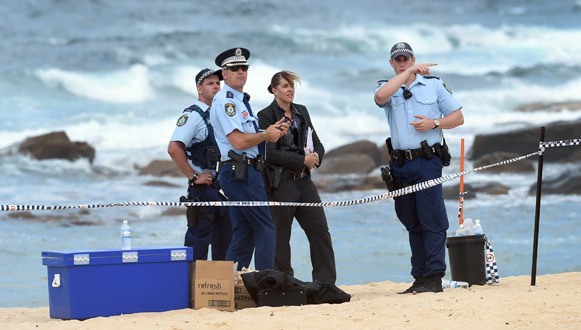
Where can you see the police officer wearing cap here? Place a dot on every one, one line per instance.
(194, 151)
(418, 107)
(241, 142)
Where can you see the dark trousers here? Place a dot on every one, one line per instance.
(313, 222)
(213, 226)
(424, 216)
(252, 226)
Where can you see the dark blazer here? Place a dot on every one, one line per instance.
(283, 153)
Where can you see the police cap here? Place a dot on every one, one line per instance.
(233, 57)
(401, 48)
(205, 73)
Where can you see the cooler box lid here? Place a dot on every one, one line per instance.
(108, 257)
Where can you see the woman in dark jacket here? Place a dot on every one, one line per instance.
(289, 162)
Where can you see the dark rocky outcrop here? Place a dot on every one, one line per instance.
(359, 147)
(80, 218)
(472, 190)
(56, 145)
(360, 157)
(524, 165)
(334, 183)
(348, 163)
(160, 168)
(567, 183)
(526, 140)
(453, 191)
(174, 211)
(160, 183)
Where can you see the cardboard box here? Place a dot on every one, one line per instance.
(213, 285)
(85, 284)
(242, 299)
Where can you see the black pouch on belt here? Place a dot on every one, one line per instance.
(428, 152)
(241, 168)
(259, 164)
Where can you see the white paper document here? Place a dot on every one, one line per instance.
(309, 148)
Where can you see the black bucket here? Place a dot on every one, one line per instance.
(467, 258)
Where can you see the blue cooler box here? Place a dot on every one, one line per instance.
(85, 284)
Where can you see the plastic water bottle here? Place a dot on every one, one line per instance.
(449, 284)
(125, 236)
(478, 228)
(460, 230)
(468, 226)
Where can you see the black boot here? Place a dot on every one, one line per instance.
(418, 282)
(430, 284)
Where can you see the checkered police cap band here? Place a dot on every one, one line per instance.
(401, 48)
(205, 73)
(234, 60)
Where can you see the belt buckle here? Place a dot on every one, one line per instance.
(298, 176)
(408, 155)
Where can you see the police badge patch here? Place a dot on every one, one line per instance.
(230, 109)
(182, 120)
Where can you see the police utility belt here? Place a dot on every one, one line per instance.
(426, 151)
(240, 164)
(399, 156)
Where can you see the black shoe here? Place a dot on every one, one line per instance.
(334, 295)
(323, 293)
(430, 284)
(418, 282)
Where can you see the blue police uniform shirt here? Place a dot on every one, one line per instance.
(228, 113)
(190, 129)
(430, 99)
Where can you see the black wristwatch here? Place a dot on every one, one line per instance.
(194, 178)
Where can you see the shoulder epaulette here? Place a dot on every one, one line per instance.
(196, 108)
(229, 94)
(379, 82)
(193, 107)
(432, 77)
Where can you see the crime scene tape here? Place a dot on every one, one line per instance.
(396, 193)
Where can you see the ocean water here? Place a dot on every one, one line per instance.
(117, 75)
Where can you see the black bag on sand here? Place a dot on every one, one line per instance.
(276, 288)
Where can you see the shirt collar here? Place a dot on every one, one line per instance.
(419, 80)
(294, 109)
(202, 105)
(239, 95)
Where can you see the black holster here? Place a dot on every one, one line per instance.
(388, 178)
(443, 152)
(192, 212)
(240, 165)
(428, 152)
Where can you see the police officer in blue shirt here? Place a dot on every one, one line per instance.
(194, 151)
(240, 143)
(418, 107)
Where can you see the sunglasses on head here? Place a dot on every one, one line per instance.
(238, 67)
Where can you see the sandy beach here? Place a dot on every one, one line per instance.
(554, 303)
